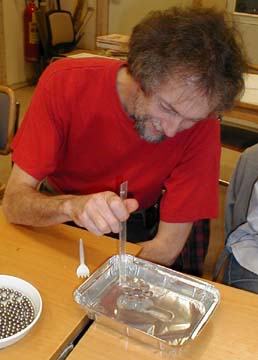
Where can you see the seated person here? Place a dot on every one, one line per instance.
(241, 225)
(241, 270)
(152, 120)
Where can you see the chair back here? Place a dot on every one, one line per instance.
(61, 34)
(9, 112)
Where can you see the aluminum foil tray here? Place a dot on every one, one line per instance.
(152, 303)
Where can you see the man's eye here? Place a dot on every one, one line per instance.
(166, 108)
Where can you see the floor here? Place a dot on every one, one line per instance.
(228, 161)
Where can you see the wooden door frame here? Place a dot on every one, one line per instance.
(2, 48)
(102, 17)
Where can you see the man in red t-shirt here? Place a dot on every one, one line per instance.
(93, 123)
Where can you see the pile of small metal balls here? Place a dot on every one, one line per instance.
(137, 288)
(16, 312)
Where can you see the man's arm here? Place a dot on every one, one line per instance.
(99, 213)
(167, 244)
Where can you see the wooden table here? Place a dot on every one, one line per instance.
(47, 258)
(231, 334)
(244, 112)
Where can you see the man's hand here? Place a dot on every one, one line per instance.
(100, 213)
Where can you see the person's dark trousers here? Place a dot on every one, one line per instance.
(237, 276)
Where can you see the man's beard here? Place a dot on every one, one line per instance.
(141, 128)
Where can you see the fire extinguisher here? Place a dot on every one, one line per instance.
(31, 36)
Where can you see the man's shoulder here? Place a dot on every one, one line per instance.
(208, 128)
(68, 66)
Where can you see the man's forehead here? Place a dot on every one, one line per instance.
(186, 99)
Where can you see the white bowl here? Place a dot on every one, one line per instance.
(32, 293)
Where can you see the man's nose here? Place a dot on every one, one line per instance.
(171, 126)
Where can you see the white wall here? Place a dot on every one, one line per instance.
(18, 71)
(124, 14)
(248, 26)
(88, 39)
(218, 4)
(68, 5)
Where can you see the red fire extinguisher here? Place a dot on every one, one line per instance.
(31, 36)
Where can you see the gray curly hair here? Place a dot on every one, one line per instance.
(194, 43)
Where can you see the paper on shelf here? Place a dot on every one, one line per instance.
(250, 94)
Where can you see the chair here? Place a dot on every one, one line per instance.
(238, 198)
(60, 31)
(9, 110)
(61, 34)
(57, 34)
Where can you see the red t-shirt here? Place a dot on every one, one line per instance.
(77, 134)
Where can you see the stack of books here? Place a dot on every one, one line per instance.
(116, 43)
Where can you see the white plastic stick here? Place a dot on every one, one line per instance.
(122, 237)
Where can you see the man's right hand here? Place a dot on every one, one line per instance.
(100, 213)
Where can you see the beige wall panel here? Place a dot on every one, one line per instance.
(2, 48)
(18, 71)
(218, 4)
(124, 14)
